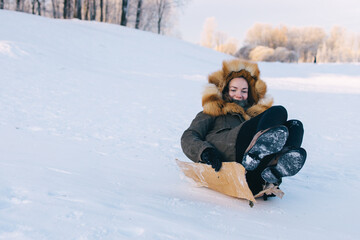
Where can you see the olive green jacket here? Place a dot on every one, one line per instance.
(207, 131)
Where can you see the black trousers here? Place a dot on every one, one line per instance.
(274, 116)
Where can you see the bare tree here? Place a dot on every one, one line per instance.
(55, 8)
(93, 10)
(101, 10)
(18, 4)
(107, 11)
(67, 9)
(124, 10)
(77, 10)
(38, 6)
(87, 6)
(43, 7)
(162, 8)
(138, 14)
(53, 4)
(33, 6)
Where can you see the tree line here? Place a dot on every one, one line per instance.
(149, 15)
(263, 42)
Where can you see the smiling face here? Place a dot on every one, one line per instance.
(238, 89)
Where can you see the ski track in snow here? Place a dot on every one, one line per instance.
(91, 127)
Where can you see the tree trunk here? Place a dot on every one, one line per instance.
(18, 2)
(54, 8)
(38, 7)
(93, 10)
(162, 7)
(107, 11)
(87, 4)
(43, 7)
(138, 14)
(124, 9)
(159, 25)
(65, 9)
(1, 4)
(77, 11)
(101, 10)
(33, 7)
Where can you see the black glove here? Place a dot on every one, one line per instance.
(212, 157)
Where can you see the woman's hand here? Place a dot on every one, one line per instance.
(212, 157)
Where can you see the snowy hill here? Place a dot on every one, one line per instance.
(91, 117)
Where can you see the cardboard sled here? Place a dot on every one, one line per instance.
(230, 180)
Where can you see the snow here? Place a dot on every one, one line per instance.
(91, 116)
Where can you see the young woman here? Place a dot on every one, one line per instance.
(238, 123)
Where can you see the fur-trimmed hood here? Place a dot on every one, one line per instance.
(213, 99)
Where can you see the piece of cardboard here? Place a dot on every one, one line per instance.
(230, 180)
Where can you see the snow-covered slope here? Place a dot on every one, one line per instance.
(91, 116)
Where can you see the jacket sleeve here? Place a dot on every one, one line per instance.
(193, 139)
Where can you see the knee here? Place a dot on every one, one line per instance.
(280, 112)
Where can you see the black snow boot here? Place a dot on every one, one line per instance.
(264, 143)
(289, 163)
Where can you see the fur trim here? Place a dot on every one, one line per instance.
(213, 101)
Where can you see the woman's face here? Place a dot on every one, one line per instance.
(238, 89)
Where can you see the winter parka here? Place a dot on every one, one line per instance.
(218, 125)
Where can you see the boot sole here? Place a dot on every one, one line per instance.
(288, 165)
(269, 142)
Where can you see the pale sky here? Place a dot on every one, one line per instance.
(235, 17)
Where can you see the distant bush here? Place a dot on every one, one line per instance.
(262, 53)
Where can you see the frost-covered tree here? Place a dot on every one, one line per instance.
(289, 44)
(305, 41)
(208, 33)
(212, 38)
(340, 46)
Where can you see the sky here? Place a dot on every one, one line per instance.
(236, 17)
